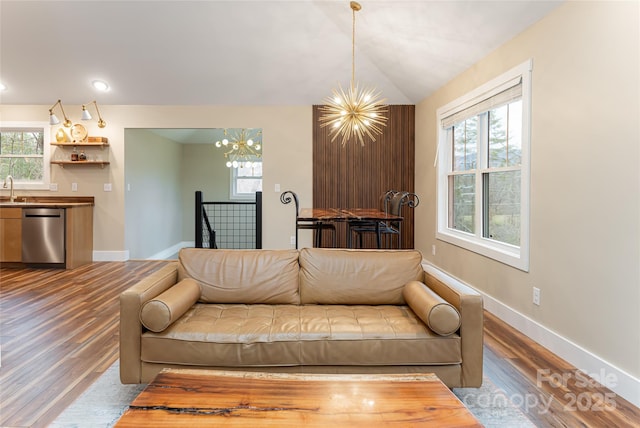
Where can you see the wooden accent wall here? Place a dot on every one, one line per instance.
(356, 176)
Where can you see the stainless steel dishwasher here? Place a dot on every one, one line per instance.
(43, 235)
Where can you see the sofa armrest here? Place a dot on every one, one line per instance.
(469, 303)
(131, 301)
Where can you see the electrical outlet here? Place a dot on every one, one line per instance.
(276, 188)
(53, 187)
(74, 187)
(292, 240)
(107, 187)
(536, 296)
(433, 249)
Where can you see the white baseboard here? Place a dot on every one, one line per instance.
(168, 252)
(111, 256)
(622, 383)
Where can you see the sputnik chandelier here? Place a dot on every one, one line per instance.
(245, 146)
(355, 112)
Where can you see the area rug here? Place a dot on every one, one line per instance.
(107, 399)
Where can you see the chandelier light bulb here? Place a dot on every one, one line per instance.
(229, 164)
(218, 144)
(258, 146)
(225, 141)
(235, 164)
(250, 142)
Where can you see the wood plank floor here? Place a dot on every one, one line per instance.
(59, 333)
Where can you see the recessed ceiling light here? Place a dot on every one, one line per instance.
(100, 85)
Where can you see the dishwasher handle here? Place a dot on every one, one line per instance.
(43, 212)
(43, 215)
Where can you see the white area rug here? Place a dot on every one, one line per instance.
(107, 399)
(102, 404)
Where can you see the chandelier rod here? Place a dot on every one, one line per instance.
(355, 6)
(353, 46)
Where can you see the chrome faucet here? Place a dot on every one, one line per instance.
(12, 197)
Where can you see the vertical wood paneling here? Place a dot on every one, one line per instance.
(356, 176)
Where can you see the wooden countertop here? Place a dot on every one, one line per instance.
(44, 204)
(47, 202)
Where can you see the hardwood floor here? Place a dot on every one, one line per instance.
(59, 333)
(550, 391)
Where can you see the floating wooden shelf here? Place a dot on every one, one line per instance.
(81, 144)
(100, 142)
(65, 162)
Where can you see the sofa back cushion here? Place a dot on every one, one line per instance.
(357, 277)
(242, 276)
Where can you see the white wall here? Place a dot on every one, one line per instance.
(585, 196)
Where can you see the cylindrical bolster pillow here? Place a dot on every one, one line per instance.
(440, 316)
(157, 314)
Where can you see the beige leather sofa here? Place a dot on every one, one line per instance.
(312, 311)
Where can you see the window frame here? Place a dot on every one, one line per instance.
(516, 256)
(233, 192)
(46, 154)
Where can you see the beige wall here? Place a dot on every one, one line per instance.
(585, 216)
(287, 154)
(153, 196)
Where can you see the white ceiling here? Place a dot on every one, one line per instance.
(244, 52)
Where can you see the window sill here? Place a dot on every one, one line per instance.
(503, 253)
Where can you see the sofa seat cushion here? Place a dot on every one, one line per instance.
(238, 335)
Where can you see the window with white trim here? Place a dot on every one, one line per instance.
(246, 180)
(24, 154)
(483, 169)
